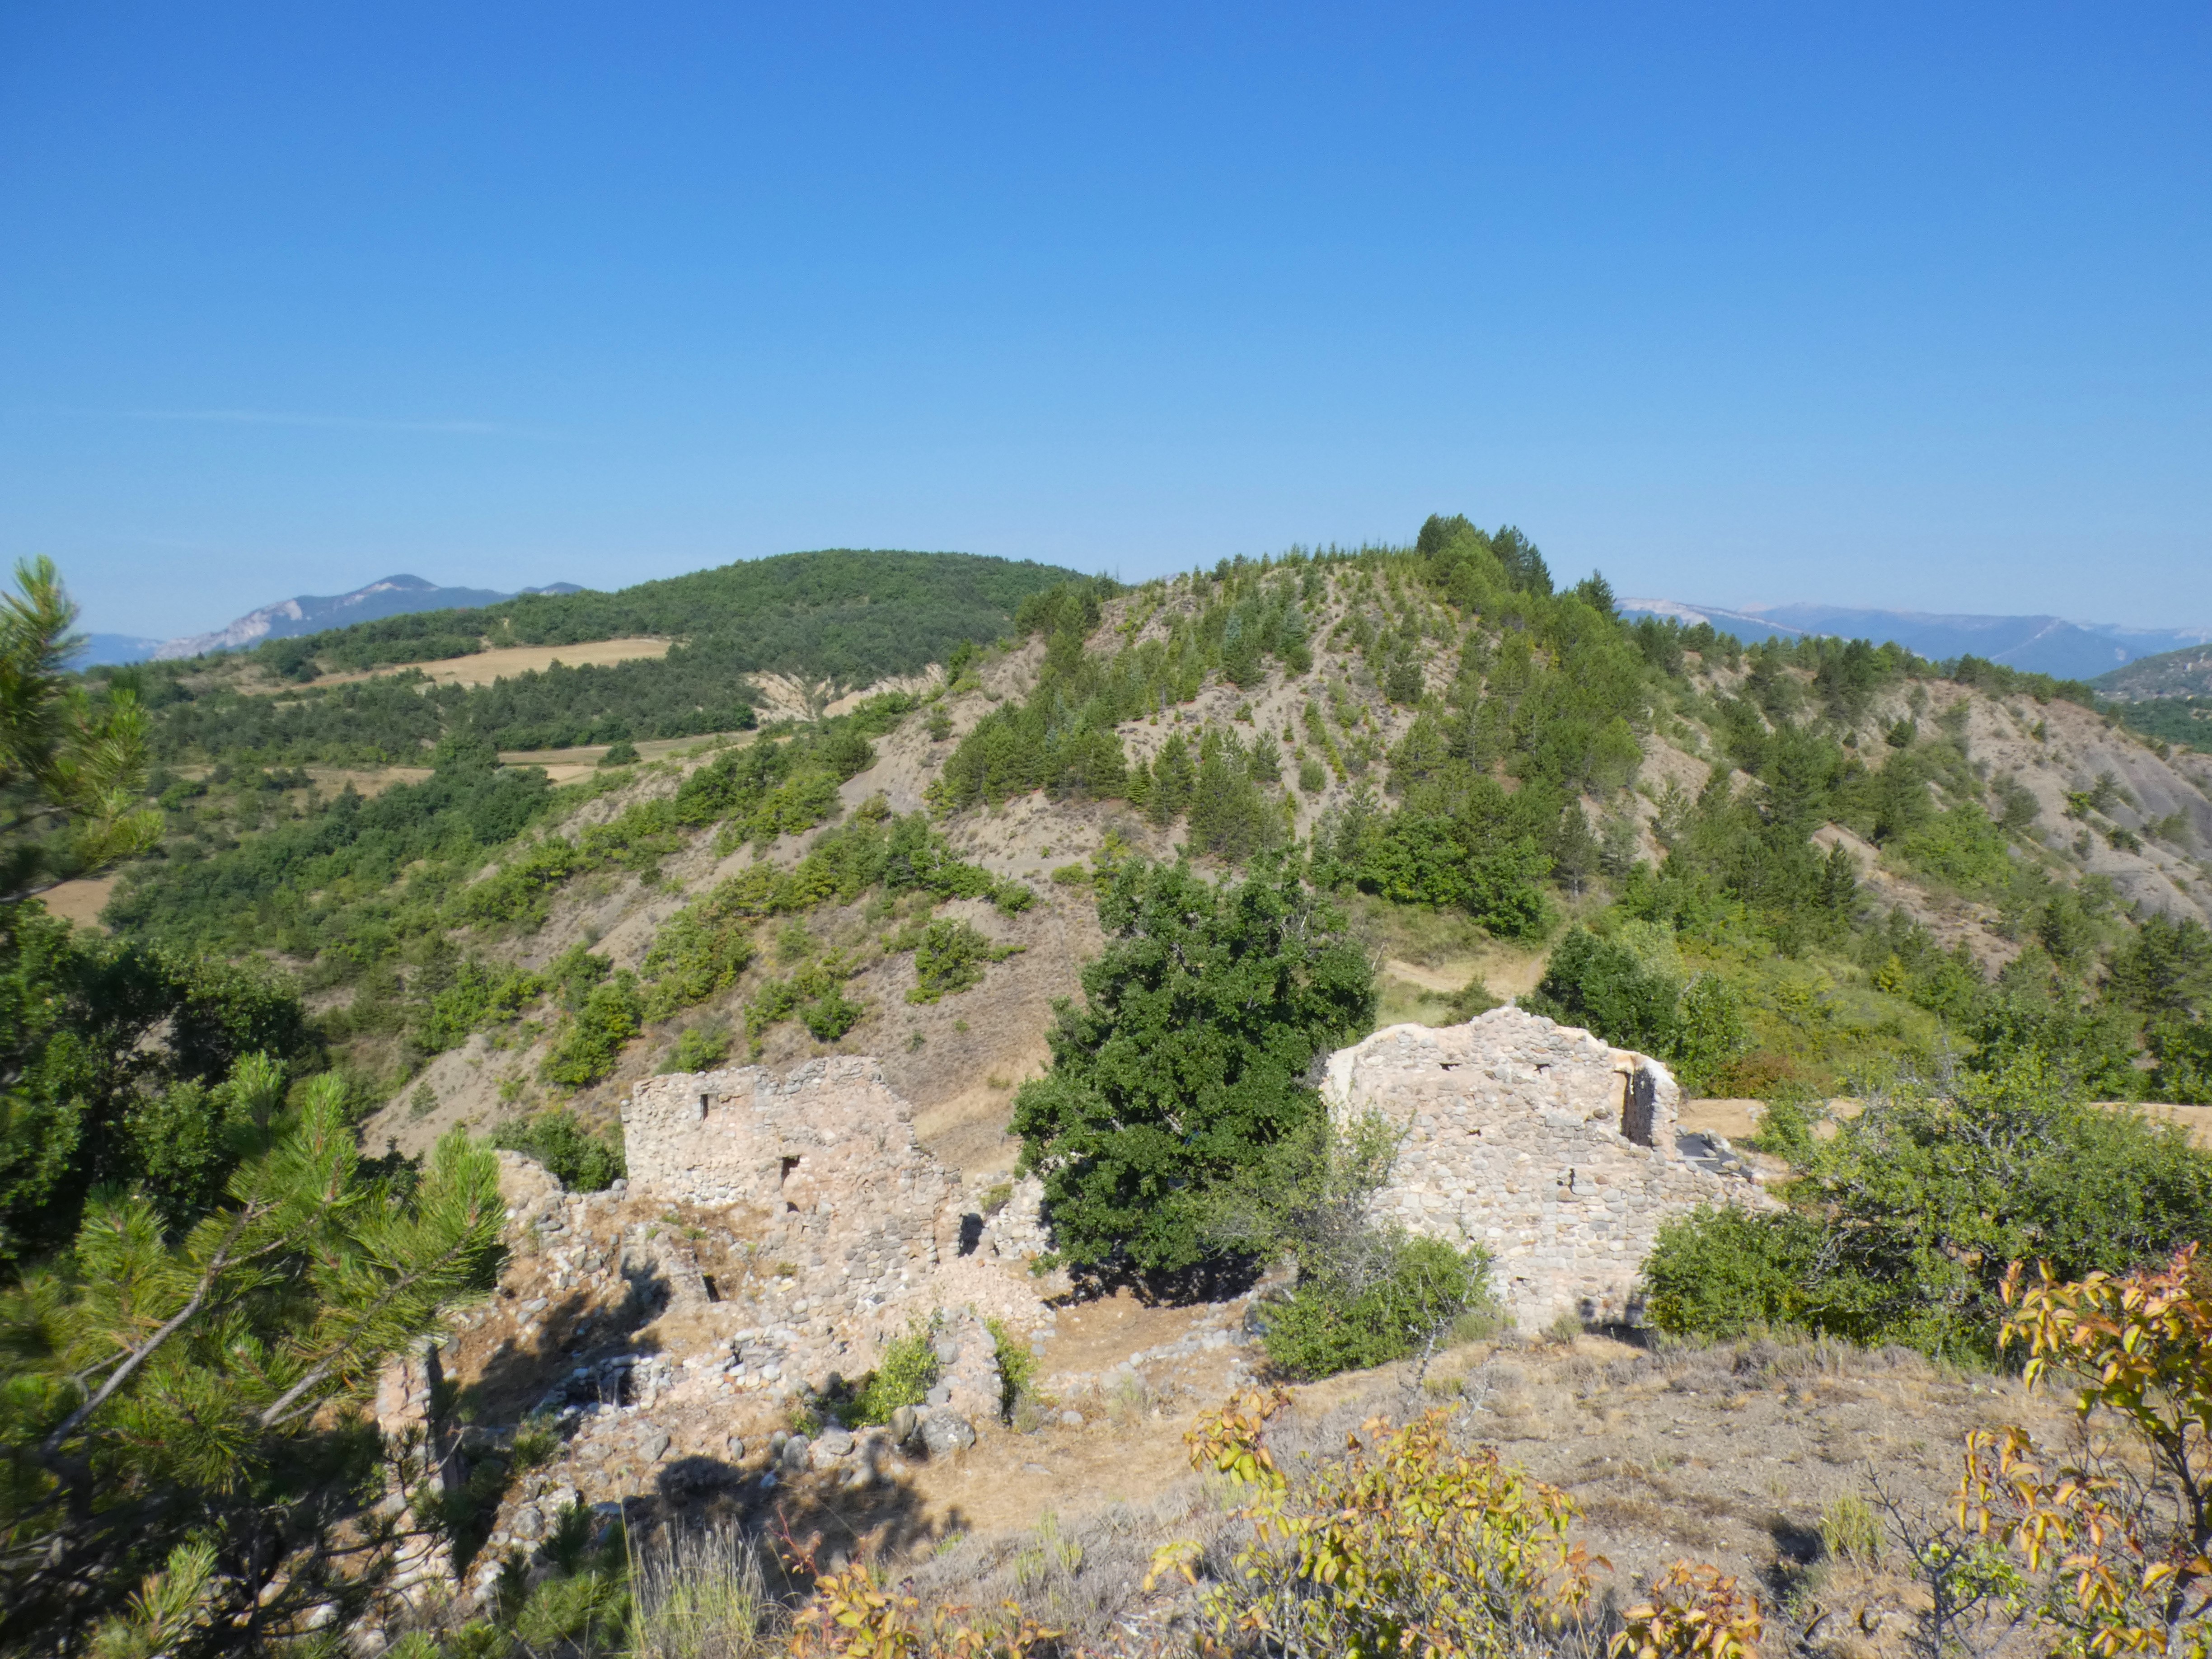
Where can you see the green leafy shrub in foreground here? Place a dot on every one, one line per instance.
(580, 1160)
(1328, 1327)
(233, 1359)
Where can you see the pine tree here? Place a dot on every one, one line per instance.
(174, 1398)
(72, 767)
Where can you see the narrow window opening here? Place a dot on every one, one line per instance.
(1639, 1107)
(703, 1108)
(714, 1291)
(789, 1164)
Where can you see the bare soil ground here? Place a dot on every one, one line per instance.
(79, 902)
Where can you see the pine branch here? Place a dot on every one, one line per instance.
(279, 1409)
(49, 1447)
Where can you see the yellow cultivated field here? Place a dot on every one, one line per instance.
(488, 666)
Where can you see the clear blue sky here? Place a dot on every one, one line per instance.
(1904, 305)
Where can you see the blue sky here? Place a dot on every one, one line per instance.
(1900, 305)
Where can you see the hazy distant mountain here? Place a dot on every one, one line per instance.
(308, 614)
(114, 647)
(2041, 645)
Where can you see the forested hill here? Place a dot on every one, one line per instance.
(2167, 698)
(845, 614)
(843, 617)
(1868, 863)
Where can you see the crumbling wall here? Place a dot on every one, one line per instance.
(862, 1231)
(1558, 1154)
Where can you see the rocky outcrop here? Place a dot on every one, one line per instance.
(1558, 1154)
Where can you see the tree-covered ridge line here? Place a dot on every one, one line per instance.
(843, 618)
(1511, 796)
(1464, 738)
(850, 615)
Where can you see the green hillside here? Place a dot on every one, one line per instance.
(2186, 672)
(2166, 698)
(842, 615)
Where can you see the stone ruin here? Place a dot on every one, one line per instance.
(862, 1232)
(1558, 1154)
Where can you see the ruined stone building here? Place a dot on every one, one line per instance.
(1558, 1154)
(857, 1230)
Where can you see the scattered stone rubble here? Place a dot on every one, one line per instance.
(1556, 1153)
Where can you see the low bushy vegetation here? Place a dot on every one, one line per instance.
(1900, 1228)
(1414, 1293)
(581, 1161)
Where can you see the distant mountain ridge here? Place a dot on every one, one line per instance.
(308, 613)
(2039, 645)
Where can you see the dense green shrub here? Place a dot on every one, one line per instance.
(1719, 1272)
(588, 1042)
(1961, 848)
(2185, 1062)
(581, 1161)
(1329, 1326)
(1709, 1031)
(699, 951)
(948, 959)
(1201, 1021)
(903, 1377)
(1902, 1226)
(453, 1000)
(699, 1048)
(1623, 989)
(2164, 970)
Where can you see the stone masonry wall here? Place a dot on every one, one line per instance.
(827, 1155)
(1556, 1153)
